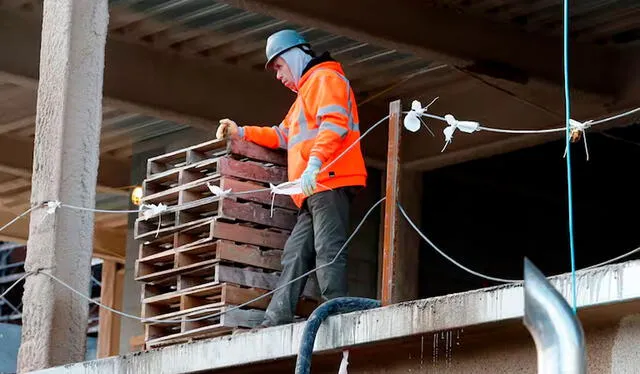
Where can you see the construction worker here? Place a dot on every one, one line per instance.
(319, 127)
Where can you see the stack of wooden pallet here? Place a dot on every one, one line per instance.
(203, 255)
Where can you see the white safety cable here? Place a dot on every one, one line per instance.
(561, 129)
(495, 279)
(249, 192)
(613, 259)
(123, 314)
(469, 126)
(509, 131)
(354, 143)
(538, 131)
(23, 277)
(20, 216)
(353, 234)
(69, 206)
(599, 121)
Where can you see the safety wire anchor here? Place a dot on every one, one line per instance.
(413, 119)
(50, 208)
(578, 131)
(453, 124)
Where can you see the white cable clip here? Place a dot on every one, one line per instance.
(578, 130)
(150, 210)
(464, 126)
(286, 188)
(52, 206)
(216, 190)
(344, 363)
(413, 119)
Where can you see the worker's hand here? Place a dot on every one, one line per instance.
(308, 178)
(227, 128)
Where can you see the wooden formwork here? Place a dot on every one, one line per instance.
(205, 255)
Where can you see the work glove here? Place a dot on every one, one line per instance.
(308, 178)
(228, 128)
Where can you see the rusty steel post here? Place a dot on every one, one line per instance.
(391, 222)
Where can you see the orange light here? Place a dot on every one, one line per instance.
(136, 195)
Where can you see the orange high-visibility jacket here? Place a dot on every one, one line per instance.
(322, 122)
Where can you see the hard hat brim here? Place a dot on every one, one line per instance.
(267, 65)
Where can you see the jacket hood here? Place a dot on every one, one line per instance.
(325, 61)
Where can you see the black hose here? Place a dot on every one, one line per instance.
(335, 306)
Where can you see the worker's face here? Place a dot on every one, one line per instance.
(283, 73)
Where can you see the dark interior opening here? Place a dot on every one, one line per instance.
(489, 214)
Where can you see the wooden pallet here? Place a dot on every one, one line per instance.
(205, 254)
(213, 149)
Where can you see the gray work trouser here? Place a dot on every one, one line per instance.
(319, 233)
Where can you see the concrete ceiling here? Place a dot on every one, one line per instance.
(187, 63)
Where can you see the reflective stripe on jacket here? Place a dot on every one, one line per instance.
(322, 122)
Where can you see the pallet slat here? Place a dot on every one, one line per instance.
(256, 152)
(264, 237)
(252, 171)
(178, 303)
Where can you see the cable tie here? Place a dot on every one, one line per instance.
(577, 131)
(150, 210)
(218, 191)
(464, 126)
(413, 119)
(52, 206)
(286, 188)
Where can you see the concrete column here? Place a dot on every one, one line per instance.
(131, 296)
(65, 166)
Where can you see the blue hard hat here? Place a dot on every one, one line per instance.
(282, 41)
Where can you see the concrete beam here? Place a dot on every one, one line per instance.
(611, 284)
(448, 36)
(16, 159)
(187, 90)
